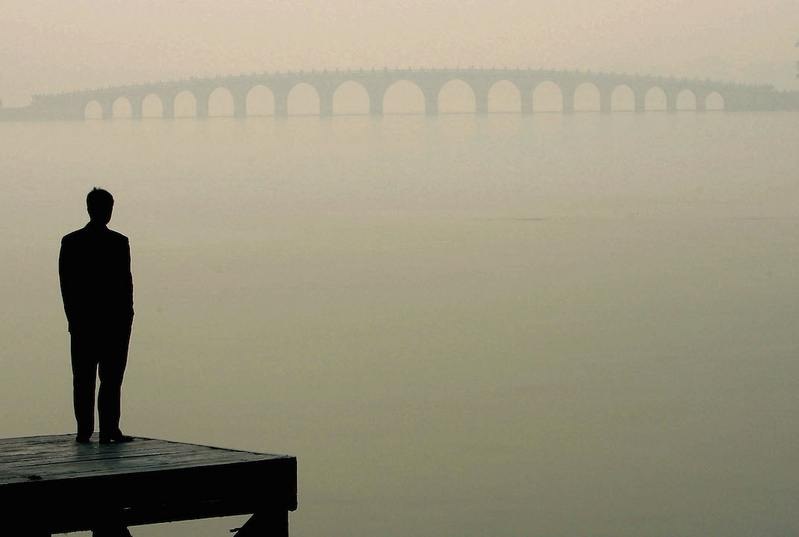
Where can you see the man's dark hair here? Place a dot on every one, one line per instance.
(99, 203)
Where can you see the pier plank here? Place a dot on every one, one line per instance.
(60, 485)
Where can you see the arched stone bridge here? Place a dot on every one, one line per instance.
(376, 82)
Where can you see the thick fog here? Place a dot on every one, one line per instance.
(51, 45)
(466, 314)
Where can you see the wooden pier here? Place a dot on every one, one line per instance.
(52, 484)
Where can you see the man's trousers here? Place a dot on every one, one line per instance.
(103, 350)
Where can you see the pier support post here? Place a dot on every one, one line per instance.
(281, 103)
(239, 104)
(376, 104)
(568, 100)
(640, 101)
(108, 109)
(325, 103)
(431, 103)
(202, 106)
(32, 530)
(701, 101)
(376, 93)
(167, 106)
(525, 96)
(527, 104)
(136, 107)
(671, 101)
(605, 100)
(481, 100)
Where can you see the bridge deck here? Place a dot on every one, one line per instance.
(51, 484)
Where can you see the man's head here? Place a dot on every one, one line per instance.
(100, 203)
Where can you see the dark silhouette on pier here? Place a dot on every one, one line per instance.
(97, 288)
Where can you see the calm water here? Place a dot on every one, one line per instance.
(500, 326)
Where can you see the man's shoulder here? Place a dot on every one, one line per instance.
(84, 234)
(73, 236)
(117, 236)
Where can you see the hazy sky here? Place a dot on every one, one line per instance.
(51, 45)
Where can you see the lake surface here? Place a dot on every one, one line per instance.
(461, 326)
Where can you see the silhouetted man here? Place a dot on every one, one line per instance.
(97, 288)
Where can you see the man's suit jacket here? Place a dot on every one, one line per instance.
(96, 282)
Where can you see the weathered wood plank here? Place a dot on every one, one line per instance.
(65, 486)
(134, 457)
(65, 458)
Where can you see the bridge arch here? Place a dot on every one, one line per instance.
(152, 106)
(456, 96)
(686, 100)
(547, 97)
(351, 98)
(221, 103)
(303, 100)
(122, 108)
(260, 101)
(404, 97)
(587, 97)
(623, 98)
(504, 96)
(93, 110)
(655, 99)
(715, 101)
(185, 104)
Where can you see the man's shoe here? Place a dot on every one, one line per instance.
(115, 439)
(83, 439)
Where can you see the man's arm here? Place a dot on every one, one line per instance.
(128, 282)
(66, 280)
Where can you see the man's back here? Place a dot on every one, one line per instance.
(96, 282)
(97, 288)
